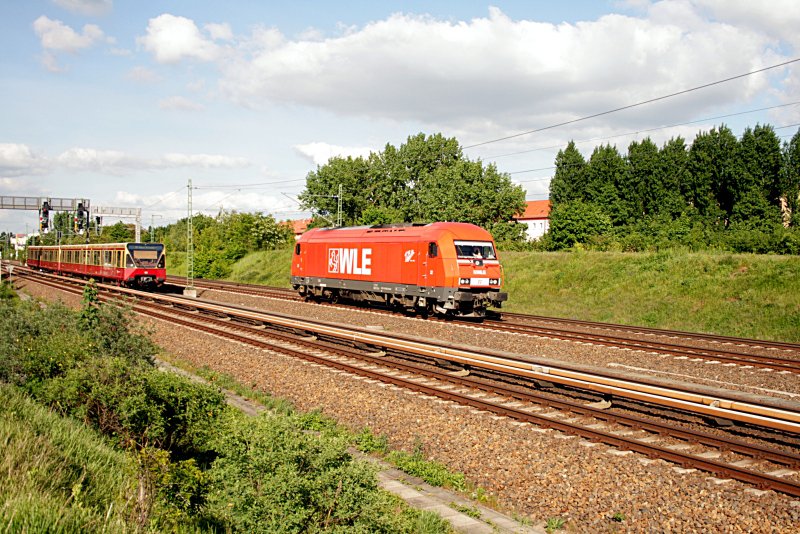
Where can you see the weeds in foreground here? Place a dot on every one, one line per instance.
(553, 524)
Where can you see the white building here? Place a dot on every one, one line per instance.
(536, 218)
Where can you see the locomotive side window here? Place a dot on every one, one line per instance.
(297, 249)
(475, 249)
(433, 250)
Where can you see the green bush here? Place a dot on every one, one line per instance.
(274, 476)
(58, 476)
(192, 464)
(143, 407)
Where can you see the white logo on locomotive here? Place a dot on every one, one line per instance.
(346, 261)
(409, 255)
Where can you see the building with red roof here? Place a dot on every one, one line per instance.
(536, 217)
(299, 226)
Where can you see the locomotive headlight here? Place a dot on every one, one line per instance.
(494, 282)
(463, 281)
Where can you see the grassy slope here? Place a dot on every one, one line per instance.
(739, 295)
(733, 294)
(56, 475)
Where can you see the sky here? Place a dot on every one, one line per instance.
(123, 102)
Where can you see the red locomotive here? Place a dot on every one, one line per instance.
(444, 268)
(128, 264)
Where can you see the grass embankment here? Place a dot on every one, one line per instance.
(59, 475)
(741, 295)
(93, 437)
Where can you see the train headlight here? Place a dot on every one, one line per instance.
(494, 281)
(463, 281)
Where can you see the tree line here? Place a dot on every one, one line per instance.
(218, 242)
(425, 179)
(720, 192)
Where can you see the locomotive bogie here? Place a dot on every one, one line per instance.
(442, 268)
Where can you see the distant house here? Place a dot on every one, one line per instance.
(536, 217)
(299, 226)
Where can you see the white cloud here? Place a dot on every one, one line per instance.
(55, 35)
(205, 161)
(208, 202)
(171, 39)
(778, 19)
(319, 153)
(106, 161)
(142, 75)
(19, 160)
(51, 63)
(179, 103)
(495, 74)
(117, 162)
(86, 7)
(219, 31)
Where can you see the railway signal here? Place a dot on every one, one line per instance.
(81, 218)
(44, 217)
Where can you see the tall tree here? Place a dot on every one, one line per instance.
(713, 172)
(665, 195)
(358, 189)
(569, 180)
(425, 179)
(758, 186)
(760, 155)
(789, 184)
(604, 176)
(640, 178)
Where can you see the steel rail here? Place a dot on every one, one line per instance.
(520, 323)
(760, 480)
(712, 406)
(755, 343)
(725, 356)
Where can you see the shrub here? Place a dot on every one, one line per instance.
(271, 475)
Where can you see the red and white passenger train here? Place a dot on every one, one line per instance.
(128, 264)
(443, 268)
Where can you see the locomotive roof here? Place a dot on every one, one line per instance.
(430, 231)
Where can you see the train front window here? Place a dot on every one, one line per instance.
(146, 256)
(475, 249)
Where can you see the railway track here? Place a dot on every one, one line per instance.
(762, 466)
(738, 351)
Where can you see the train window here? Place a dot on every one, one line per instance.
(433, 250)
(145, 258)
(297, 249)
(475, 249)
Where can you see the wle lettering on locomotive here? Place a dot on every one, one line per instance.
(441, 268)
(346, 261)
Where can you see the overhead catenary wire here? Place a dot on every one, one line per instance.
(648, 130)
(630, 106)
(551, 167)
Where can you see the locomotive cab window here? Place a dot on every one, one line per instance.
(433, 250)
(475, 249)
(297, 249)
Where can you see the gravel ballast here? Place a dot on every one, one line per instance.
(536, 473)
